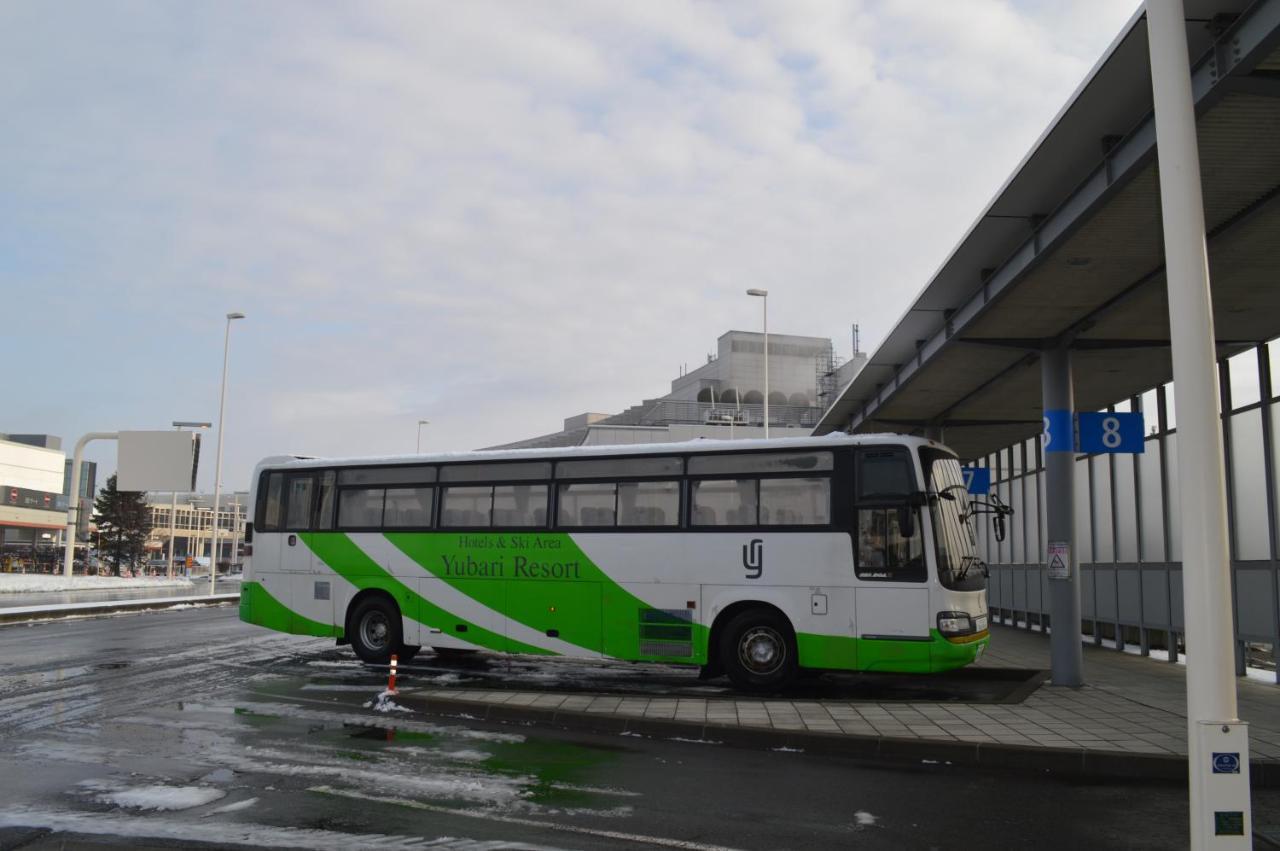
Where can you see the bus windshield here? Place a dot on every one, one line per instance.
(959, 567)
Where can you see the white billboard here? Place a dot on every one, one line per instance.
(31, 467)
(156, 461)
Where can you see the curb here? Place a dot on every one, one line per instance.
(24, 614)
(1078, 762)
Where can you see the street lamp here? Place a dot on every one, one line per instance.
(217, 467)
(173, 509)
(421, 423)
(764, 296)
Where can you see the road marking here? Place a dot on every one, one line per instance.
(526, 822)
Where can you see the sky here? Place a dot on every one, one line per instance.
(488, 215)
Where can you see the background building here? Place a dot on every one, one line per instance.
(193, 532)
(724, 398)
(34, 479)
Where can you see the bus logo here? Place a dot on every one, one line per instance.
(753, 558)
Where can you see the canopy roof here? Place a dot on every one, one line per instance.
(1071, 249)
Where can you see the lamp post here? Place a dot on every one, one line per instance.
(763, 295)
(421, 423)
(217, 467)
(173, 508)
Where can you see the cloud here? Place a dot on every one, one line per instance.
(490, 215)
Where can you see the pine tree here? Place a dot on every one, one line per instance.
(124, 521)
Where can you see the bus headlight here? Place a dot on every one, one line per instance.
(954, 623)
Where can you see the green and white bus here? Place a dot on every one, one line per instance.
(750, 558)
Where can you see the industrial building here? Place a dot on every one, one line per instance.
(725, 397)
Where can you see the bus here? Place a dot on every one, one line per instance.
(755, 559)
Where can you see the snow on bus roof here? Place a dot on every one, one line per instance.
(700, 444)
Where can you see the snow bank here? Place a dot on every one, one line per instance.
(28, 583)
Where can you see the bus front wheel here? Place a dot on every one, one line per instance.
(758, 650)
(375, 630)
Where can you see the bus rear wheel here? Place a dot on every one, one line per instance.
(758, 650)
(374, 630)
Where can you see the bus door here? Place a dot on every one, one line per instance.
(268, 539)
(892, 609)
(309, 581)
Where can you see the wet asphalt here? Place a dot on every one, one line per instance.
(189, 728)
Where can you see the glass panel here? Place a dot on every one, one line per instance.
(885, 473)
(1013, 525)
(298, 506)
(408, 507)
(1171, 484)
(649, 504)
(1084, 528)
(1103, 542)
(386, 475)
(1273, 358)
(328, 493)
(773, 462)
(496, 472)
(1152, 502)
(271, 511)
(466, 506)
(1243, 372)
(1248, 487)
(360, 508)
(591, 504)
(1126, 510)
(1030, 519)
(1274, 413)
(520, 505)
(725, 502)
(883, 552)
(795, 502)
(617, 467)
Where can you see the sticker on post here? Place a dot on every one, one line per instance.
(1226, 763)
(1228, 823)
(1059, 560)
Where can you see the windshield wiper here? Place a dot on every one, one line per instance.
(967, 562)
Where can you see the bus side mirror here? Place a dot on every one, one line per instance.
(998, 523)
(906, 521)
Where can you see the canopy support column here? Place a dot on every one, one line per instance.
(1058, 394)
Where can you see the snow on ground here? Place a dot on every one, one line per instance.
(152, 797)
(384, 703)
(27, 583)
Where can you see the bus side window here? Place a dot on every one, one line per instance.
(726, 502)
(324, 514)
(298, 503)
(270, 520)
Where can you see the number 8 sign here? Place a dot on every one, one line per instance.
(1108, 432)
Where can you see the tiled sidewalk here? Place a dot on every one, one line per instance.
(1130, 704)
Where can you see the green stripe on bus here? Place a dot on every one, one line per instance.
(544, 581)
(257, 606)
(346, 559)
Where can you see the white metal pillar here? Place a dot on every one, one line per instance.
(1066, 657)
(73, 496)
(1217, 743)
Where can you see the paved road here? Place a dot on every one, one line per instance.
(189, 727)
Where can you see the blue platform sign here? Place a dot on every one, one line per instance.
(1058, 435)
(977, 480)
(1107, 432)
(1226, 763)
